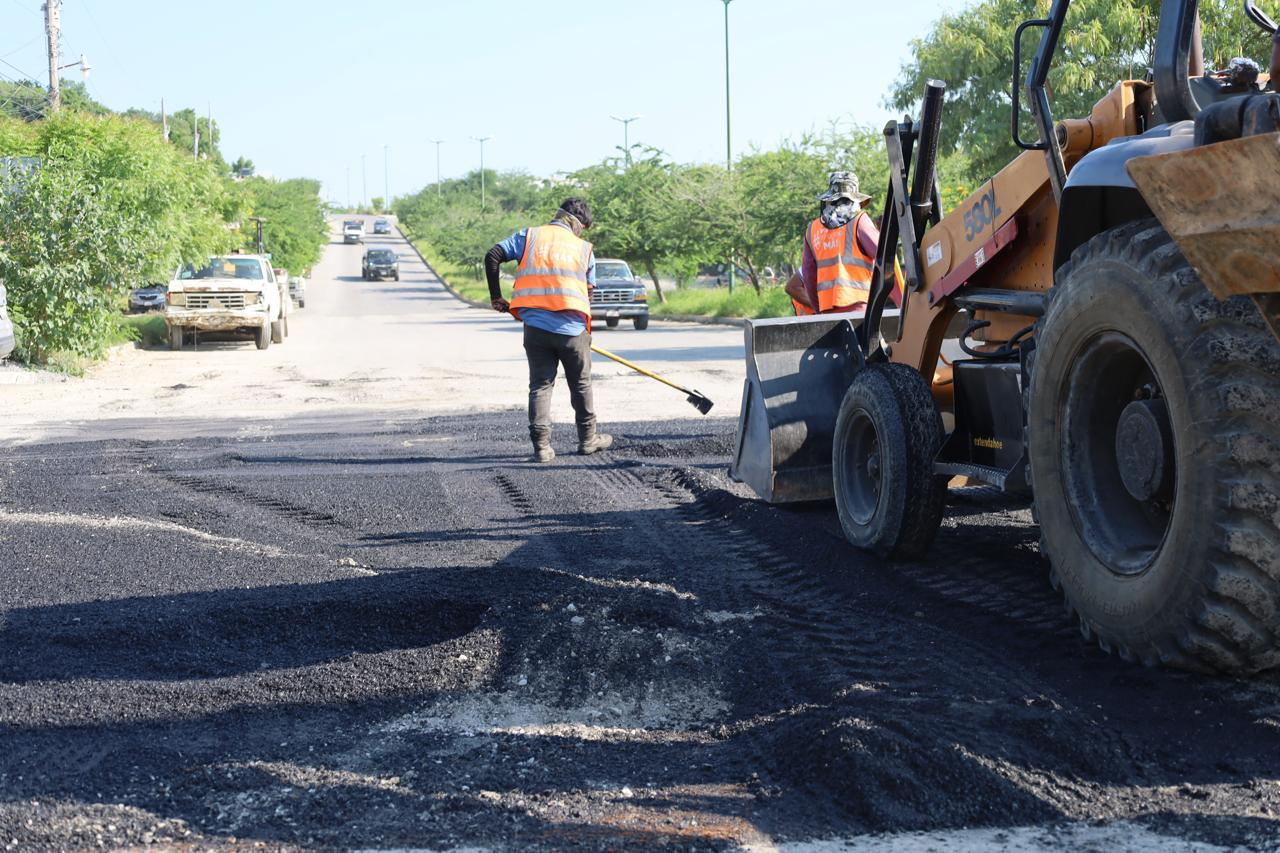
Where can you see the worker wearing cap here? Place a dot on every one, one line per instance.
(555, 273)
(839, 252)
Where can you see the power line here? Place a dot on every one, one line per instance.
(23, 47)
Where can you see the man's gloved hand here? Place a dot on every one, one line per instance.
(501, 305)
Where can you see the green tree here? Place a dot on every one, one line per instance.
(242, 167)
(1104, 41)
(110, 206)
(295, 230)
(634, 215)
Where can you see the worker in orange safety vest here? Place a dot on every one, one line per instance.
(552, 297)
(839, 253)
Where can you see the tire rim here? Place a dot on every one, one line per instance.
(863, 464)
(1119, 481)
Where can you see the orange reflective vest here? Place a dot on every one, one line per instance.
(801, 311)
(552, 273)
(844, 270)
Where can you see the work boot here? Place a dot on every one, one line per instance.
(589, 441)
(541, 436)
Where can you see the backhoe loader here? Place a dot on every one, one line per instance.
(1116, 290)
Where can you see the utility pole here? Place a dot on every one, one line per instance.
(195, 135)
(208, 126)
(386, 181)
(482, 140)
(626, 138)
(364, 181)
(348, 188)
(53, 31)
(259, 246)
(728, 137)
(164, 121)
(439, 188)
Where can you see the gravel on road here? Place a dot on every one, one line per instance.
(410, 637)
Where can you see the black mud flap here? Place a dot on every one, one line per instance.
(798, 369)
(987, 443)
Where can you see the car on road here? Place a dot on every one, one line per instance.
(237, 294)
(298, 290)
(619, 294)
(381, 226)
(7, 339)
(149, 298)
(353, 231)
(378, 264)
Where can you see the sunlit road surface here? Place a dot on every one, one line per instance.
(361, 355)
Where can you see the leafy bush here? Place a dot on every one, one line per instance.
(110, 206)
(295, 230)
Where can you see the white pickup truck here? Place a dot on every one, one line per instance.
(232, 293)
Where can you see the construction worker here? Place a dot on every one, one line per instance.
(839, 252)
(552, 297)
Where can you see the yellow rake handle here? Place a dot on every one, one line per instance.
(637, 368)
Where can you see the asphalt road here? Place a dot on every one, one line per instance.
(360, 355)
(400, 634)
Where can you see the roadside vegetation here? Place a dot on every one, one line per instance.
(669, 220)
(93, 203)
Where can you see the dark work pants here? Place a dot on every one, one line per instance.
(547, 351)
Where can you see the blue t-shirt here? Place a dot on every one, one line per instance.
(572, 323)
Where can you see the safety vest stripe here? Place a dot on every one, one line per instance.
(579, 275)
(553, 291)
(843, 282)
(846, 260)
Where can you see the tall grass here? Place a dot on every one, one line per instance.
(719, 302)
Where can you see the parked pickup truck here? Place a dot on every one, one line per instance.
(618, 294)
(232, 293)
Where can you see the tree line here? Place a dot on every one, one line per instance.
(669, 218)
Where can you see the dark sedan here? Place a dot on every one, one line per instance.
(149, 298)
(379, 264)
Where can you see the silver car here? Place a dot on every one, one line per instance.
(6, 326)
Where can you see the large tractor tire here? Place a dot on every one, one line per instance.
(888, 433)
(1154, 442)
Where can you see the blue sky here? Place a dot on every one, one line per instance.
(305, 87)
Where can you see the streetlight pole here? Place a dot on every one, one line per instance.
(348, 188)
(728, 132)
(439, 188)
(364, 181)
(626, 136)
(482, 140)
(386, 180)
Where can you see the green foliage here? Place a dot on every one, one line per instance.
(1104, 41)
(110, 207)
(458, 231)
(242, 167)
(295, 230)
(634, 216)
(29, 100)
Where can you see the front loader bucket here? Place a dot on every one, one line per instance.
(798, 369)
(1221, 205)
